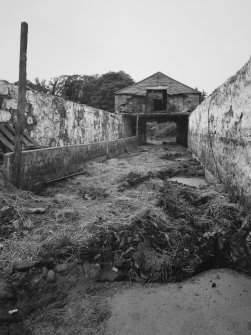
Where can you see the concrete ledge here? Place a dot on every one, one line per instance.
(43, 165)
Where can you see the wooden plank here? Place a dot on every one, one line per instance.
(21, 105)
(7, 143)
(10, 137)
(11, 132)
(11, 129)
(25, 141)
(26, 138)
(31, 140)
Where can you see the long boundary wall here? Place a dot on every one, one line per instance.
(43, 165)
(53, 121)
(220, 133)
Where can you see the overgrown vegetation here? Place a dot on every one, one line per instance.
(93, 90)
(186, 231)
(126, 213)
(161, 130)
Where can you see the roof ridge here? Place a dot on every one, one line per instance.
(180, 83)
(138, 82)
(156, 73)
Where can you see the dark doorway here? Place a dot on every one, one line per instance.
(158, 105)
(182, 131)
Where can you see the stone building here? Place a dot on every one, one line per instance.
(159, 98)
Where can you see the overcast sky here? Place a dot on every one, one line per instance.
(198, 42)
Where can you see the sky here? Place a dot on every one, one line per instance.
(197, 42)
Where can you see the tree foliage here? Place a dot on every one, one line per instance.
(93, 90)
(203, 95)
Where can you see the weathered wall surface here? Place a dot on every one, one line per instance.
(130, 103)
(53, 121)
(52, 163)
(138, 104)
(179, 103)
(220, 132)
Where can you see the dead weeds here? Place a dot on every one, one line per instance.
(155, 231)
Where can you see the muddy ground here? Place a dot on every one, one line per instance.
(66, 251)
(216, 302)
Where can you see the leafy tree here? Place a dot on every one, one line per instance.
(94, 90)
(38, 85)
(203, 95)
(108, 84)
(80, 89)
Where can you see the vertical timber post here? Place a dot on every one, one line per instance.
(107, 144)
(16, 173)
(137, 129)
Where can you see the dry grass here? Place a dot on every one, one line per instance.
(78, 203)
(90, 215)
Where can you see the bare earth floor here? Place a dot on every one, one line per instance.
(193, 307)
(216, 302)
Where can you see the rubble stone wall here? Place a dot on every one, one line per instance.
(220, 133)
(52, 163)
(141, 104)
(53, 121)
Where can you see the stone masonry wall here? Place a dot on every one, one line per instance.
(48, 164)
(138, 104)
(220, 133)
(53, 121)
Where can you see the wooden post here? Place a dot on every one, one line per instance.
(137, 129)
(16, 173)
(107, 145)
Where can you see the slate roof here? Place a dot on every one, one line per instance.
(157, 79)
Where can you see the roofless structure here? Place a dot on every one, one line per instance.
(158, 98)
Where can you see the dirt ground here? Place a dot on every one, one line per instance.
(101, 195)
(102, 217)
(216, 302)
